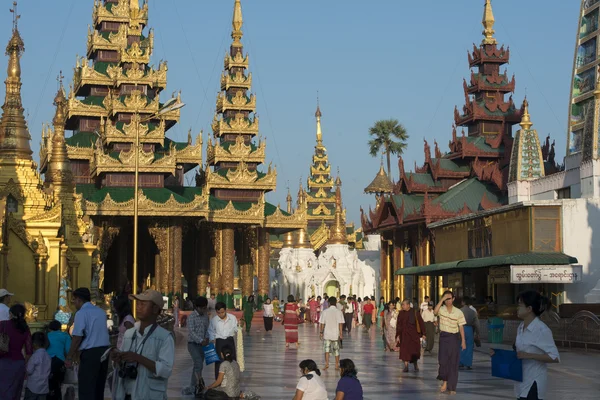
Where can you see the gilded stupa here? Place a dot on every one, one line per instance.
(45, 246)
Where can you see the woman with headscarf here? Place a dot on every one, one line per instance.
(12, 363)
(409, 330)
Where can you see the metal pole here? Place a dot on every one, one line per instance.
(135, 209)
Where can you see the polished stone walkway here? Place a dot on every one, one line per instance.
(272, 371)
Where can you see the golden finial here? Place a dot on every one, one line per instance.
(59, 171)
(237, 22)
(488, 24)
(16, 16)
(319, 131)
(288, 200)
(189, 139)
(526, 123)
(134, 4)
(338, 229)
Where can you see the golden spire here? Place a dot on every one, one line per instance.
(338, 229)
(488, 24)
(59, 168)
(237, 22)
(134, 4)
(14, 135)
(526, 123)
(288, 200)
(381, 183)
(319, 132)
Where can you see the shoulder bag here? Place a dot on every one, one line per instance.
(4, 339)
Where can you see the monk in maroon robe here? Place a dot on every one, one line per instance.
(409, 330)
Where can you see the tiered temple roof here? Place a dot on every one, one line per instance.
(115, 96)
(473, 174)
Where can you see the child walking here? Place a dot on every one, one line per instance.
(38, 369)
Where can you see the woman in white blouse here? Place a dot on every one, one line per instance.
(310, 386)
(268, 315)
(534, 345)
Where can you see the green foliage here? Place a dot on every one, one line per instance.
(388, 136)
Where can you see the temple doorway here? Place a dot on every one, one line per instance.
(332, 288)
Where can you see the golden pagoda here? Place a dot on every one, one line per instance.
(45, 242)
(192, 235)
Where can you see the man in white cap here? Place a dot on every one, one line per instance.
(4, 302)
(145, 359)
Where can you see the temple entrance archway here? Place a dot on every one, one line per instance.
(332, 288)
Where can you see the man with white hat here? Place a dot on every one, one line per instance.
(145, 359)
(4, 302)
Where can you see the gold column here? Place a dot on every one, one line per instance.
(227, 234)
(40, 276)
(157, 272)
(202, 280)
(264, 250)
(383, 268)
(177, 237)
(401, 293)
(160, 234)
(214, 276)
(390, 273)
(427, 262)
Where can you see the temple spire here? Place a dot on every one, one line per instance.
(237, 22)
(59, 167)
(338, 229)
(14, 135)
(319, 131)
(288, 200)
(134, 4)
(488, 24)
(526, 118)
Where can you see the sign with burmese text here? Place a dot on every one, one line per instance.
(546, 273)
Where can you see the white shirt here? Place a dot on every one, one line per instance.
(339, 306)
(331, 318)
(222, 328)
(4, 314)
(313, 388)
(536, 339)
(268, 310)
(428, 316)
(424, 306)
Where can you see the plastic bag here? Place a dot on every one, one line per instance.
(210, 354)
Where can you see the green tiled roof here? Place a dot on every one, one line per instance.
(450, 165)
(498, 111)
(226, 145)
(94, 101)
(469, 192)
(497, 85)
(123, 194)
(532, 258)
(412, 203)
(101, 66)
(82, 139)
(178, 145)
(479, 142)
(423, 179)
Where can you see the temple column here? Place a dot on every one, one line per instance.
(216, 286)
(427, 262)
(41, 264)
(383, 268)
(203, 244)
(227, 247)
(160, 234)
(264, 251)
(176, 236)
(157, 272)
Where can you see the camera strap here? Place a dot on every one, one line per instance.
(141, 348)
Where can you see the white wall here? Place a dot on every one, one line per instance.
(581, 239)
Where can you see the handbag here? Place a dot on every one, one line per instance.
(210, 354)
(71, 376)
(4, 340)
(417, 323)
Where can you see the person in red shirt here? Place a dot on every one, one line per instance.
(368, 313)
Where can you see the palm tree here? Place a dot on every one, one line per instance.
(390, 135)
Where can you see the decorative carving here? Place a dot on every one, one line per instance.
(31, 313)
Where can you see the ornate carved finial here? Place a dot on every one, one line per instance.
(488, 24)
(338, 229)
(288, 200)
(526, 118)
(189, 139)
(16, 16)
(318, 115)
(134, 4)
(238, 21)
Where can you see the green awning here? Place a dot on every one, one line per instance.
(533, 258)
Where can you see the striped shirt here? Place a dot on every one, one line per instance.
(450, 321)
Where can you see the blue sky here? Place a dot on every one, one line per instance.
(368, 60)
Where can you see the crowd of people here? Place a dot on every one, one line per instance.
(142, 361)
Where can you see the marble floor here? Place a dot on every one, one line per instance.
(272, 371)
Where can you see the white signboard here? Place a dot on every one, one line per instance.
(546, 273)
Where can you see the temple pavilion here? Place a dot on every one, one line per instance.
(472, 176)
(211, 237)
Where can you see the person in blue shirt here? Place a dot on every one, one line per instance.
(90, 338)
(59, 345)
(348, 387)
